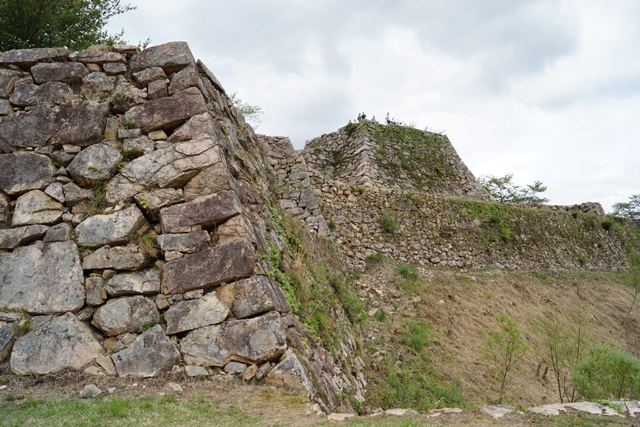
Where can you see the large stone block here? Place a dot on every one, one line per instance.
(254, 340)
(129, 257)
(167, 113)
(67, 72)
(8, 79)
(185, 78)
(291, 373)
(26, 58)
(171, 57)
(169, 167)
(224, 263)
(211, 180)
(187, 243)
(63, 343)
(35, 207)
(11, 238)
(7, 334)
(140, 282)
(31, 128)
(203, 212)
(95, 163)
(110, 229)
(253, 296)
(192, 314)
(42, 279)
(26, 94)
(24, 171)
(98, 54)
(81, 123)
(98, 87)
(151, 354)
(127, 314)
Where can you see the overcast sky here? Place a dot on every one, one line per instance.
(548, 90)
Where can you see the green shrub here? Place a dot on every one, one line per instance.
(389, 223)
(374, 259)
(420, 334)
(407, 272)
(607, 224)
(607, 373)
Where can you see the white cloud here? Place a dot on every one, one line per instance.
(546, 89)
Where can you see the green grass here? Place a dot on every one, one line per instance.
(118, 411)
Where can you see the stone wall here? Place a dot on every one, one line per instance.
(366, 174)
(135, 209)
(367, 154)
(432, 230)
(294, 186)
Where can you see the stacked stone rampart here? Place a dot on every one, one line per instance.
(134, 215)
(407, 194)
(293, 183)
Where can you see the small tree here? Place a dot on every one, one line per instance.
(563, 345)
(503, 190)
(633, 276)
(630, 209)
(250, 112)
(75, 24)
(504, 350)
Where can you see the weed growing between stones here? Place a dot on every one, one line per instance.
(389, 223)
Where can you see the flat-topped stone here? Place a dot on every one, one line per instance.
(223, 263)
(25, 58)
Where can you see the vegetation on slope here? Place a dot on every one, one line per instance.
(460, 312)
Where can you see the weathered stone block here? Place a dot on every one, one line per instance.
(24, 171)
(110, 229)
(35, 207)
(148, 75)
(167, 113)
(173, 166)
(185, 78)
(98, 54)
(42, 279)
(81, 123)
(26, 94)
(98, 87)
(26, 58)
(128, 257)
(7, 334)
(28, 128)
(211, 180)
(186, 243)
(192, 314)
(127, 314)
(142, 282)
(154, 200)
(226, 262)
(67, 72)
(253, 296)
(63, 343)
(126, 96)
(248, 341)
(11, 238)
(171, 57)
(291, 373)
(59, 233)
(94, 288)
(204, 211)
(95, 163)
(150, 354)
